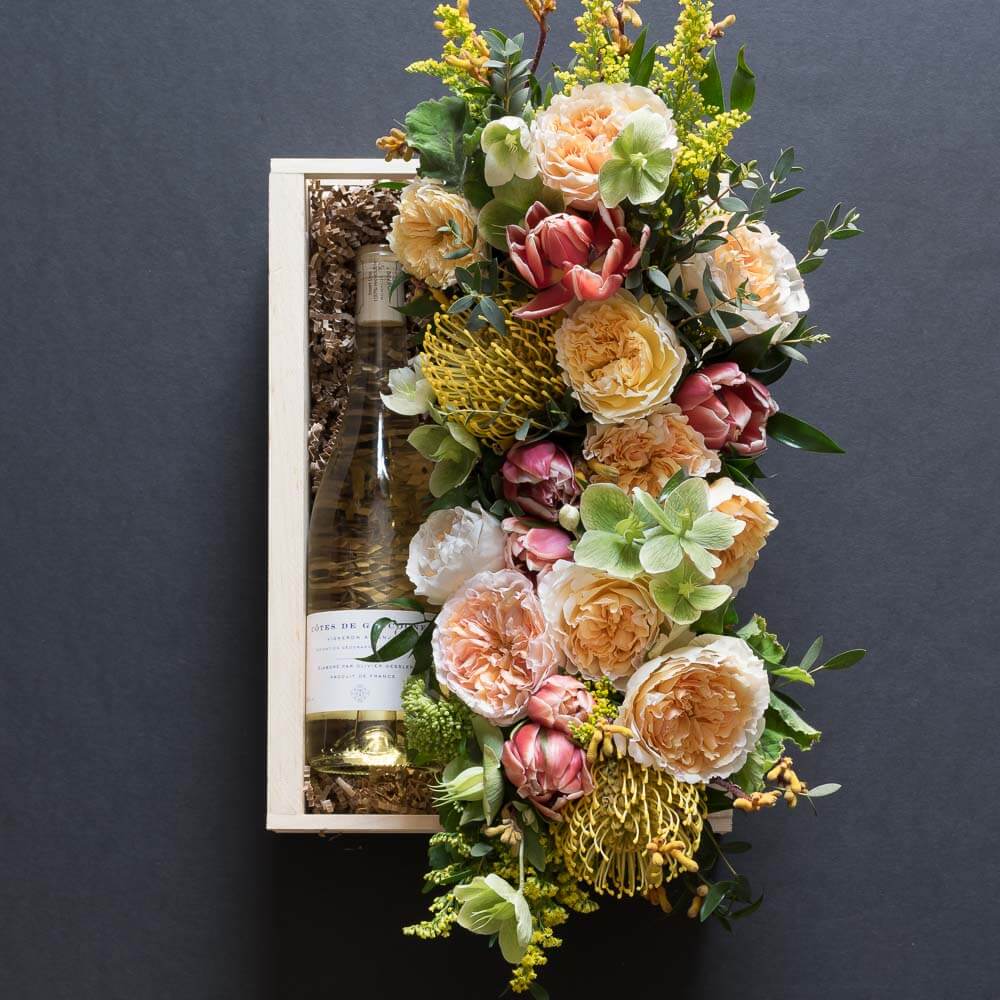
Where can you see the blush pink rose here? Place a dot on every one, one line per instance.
(546, 767)
(727, 407)
(491, 645)
(559, 702)
(534, 549)
(569, 257)
(539, 478)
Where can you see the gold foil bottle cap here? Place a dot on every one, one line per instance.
(376, 268)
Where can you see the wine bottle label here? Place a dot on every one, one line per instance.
(375, 305)
(337, 679)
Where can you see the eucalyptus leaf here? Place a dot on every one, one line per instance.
(795, 674)
(842, 661)
(821, 791)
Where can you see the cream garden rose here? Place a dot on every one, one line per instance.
(621, 357)
(769, 270)
(451, 546)
(647, 451)
(572, 137)
(754, 513)
(602, 625)
(696, 712)
(426, 208)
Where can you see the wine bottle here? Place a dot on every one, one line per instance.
(365, 512)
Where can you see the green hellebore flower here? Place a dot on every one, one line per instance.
(683, 594)
(505, 143)
(466, 786)
(491, 905)
(683, 525)
(641, 160)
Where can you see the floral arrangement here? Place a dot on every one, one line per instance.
(604, 311)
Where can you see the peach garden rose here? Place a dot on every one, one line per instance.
(621, 357)
(491, 645)
(697, 711)
(425, 209)
(603, 625)
(754, 513)
(572, 137)
(647, 451)
(767, 267)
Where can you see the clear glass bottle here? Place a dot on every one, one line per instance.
(366, 510)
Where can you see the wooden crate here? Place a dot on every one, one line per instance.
(288, 498)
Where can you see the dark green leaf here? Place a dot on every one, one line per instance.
(786, 195)
(436, 130)
(817, 235)
(711, 85)
(399, 645)
(783, 165)
(425, 306)
(798, 434)
(743, 87)
(534, 853)
(844, 660)
(716, 894)
(783, 720)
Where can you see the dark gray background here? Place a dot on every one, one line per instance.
(134, 146)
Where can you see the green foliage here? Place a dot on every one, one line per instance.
(769, 748)
(783, 720)
(436, 727)
(510, 203)
(452, 449)
(437, 129)
(798, 434)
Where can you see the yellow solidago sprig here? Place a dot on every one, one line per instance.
(601, 52)
(462, 66)
(596, 735)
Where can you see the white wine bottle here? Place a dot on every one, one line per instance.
(366, 510)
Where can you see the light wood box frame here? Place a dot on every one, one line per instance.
(288, 497)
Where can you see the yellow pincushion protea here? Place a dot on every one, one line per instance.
(492, 382)
(638, 829)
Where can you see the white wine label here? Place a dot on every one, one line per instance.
(377, 298)
(337, 679)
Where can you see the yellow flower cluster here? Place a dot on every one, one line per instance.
(604, 838)
(462, 63)
(684, 62)
(491, 382)
(602, 49)
(701, 146)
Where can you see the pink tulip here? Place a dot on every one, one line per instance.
(534, 549)
(547, 768)
(539, 478)
(727, 407)
(570, 257)
(560, 701)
